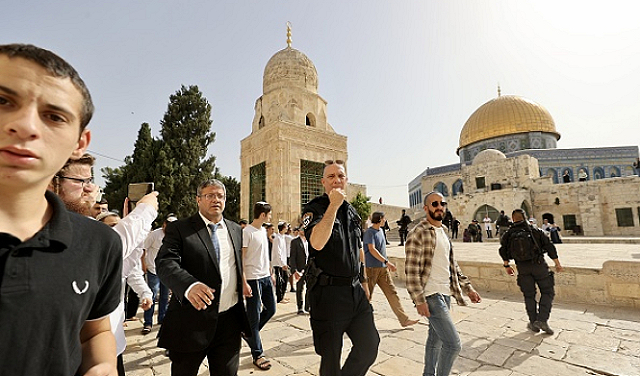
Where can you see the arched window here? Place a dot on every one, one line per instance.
(568, 171)
(442, 188)
(457, 187)
(554, 175)
(310, 120)
(614, 171)
(598, 173)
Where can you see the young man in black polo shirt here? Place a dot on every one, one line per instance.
(59, 271)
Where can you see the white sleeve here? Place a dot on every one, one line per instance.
(134, 228)
(135, 277)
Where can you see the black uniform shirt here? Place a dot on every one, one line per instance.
(67, 273)
(341, 255)
(541, 240)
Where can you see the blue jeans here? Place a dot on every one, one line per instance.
(443, 342)
(261, 307)
(163, 301)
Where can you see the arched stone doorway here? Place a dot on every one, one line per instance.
(486, 209)
(527, 208)
(548, 217)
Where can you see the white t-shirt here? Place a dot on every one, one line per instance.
(152, 245)
(279, 250)
(487, 223)
(256, 258)
(439, 278)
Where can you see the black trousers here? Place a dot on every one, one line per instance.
(223, 352)
(282, 277)
(336, 310)
(131, 308)
(301, 294)
(531, 274)
(403, 236)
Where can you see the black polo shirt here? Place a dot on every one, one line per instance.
(341, 255)
(67, 273)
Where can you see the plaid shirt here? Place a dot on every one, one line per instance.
(419, 248)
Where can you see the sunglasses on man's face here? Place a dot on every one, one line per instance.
(441, 203)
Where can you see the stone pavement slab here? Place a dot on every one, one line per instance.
(589, 340)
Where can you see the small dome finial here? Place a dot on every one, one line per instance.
(499, 92)
(288, 34)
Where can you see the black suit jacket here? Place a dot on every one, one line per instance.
(298, 259)
(186, 257)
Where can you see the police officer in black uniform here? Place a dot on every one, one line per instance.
(339, 301)
(532, 272)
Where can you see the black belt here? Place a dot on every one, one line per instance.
(329, 280)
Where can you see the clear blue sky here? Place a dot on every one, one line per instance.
(401, 77)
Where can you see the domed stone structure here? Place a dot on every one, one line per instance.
(489, 155)
(290, 68)
(290, 139)
(507, 123)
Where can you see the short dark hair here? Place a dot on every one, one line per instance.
(519, 212)
(282, 225)
(259, 208)
(57, 67)
(376, 217)
(242, 222)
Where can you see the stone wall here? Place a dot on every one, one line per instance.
(616, 284)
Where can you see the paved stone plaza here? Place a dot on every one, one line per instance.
(589, 339)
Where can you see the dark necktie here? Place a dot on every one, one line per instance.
(214, 240)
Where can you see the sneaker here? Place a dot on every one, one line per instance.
(292, 290)
(146, 329)
(302, 312)
(542, 325)
(531, 326)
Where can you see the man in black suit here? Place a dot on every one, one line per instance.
(298, 261)
(200, 261)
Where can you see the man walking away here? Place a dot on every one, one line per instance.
(526, 245)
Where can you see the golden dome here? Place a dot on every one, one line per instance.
(506, 115)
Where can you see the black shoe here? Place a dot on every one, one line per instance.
(542, 325)
(302, 312)
(146, 329)
(292, 290)
(531, 326)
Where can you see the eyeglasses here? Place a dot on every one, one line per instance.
(210, 196)
(84, 182)
(329, 162)
(436, 203)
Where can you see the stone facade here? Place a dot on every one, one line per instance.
(290, 126)
(605, 207)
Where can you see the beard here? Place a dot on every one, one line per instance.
(79, 206)
(436, 216)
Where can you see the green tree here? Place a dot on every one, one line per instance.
(362, 205)
(176, 162)
(232, 206)
(182, 161)
(138, 168)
